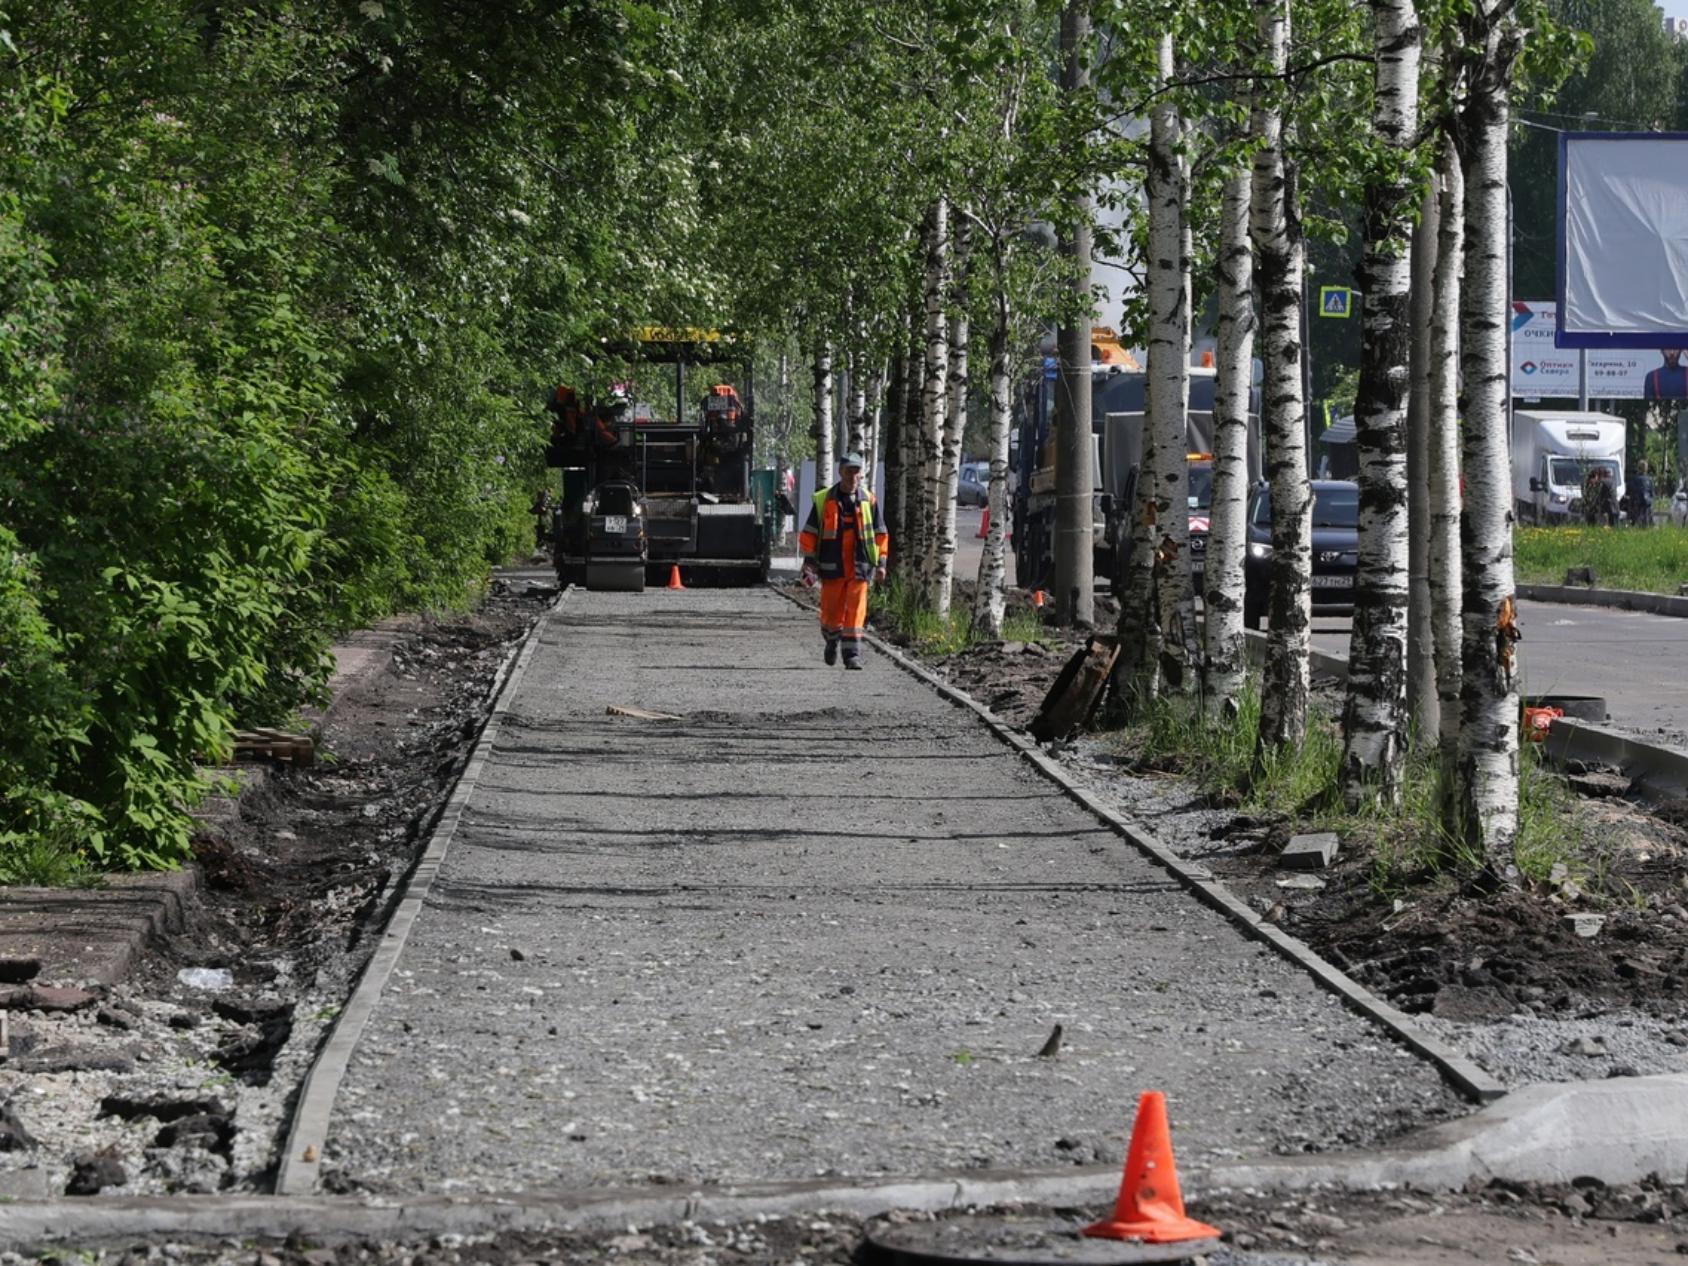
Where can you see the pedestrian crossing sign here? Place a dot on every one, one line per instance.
(1335, 301)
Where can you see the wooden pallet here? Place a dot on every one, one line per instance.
(276, 745)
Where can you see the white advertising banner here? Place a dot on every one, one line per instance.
(1541, 371)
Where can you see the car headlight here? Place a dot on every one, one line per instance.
(1558, 499)
(1257, 549)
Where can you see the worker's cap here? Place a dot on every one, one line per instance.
(852, 459)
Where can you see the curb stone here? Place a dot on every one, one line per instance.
(1618, 1130)
(1461, 1073)
(1623, 599)
(302, 1153)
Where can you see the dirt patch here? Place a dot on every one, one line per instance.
(211, 1032)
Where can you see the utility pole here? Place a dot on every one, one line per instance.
(1075, 573)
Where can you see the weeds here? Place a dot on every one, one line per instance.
(1405, 841)
(901, 609)
(35, 862)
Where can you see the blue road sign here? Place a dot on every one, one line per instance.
(1335, 301)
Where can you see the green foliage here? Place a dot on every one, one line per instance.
(900, 609)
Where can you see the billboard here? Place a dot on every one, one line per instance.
(1543, 371)
(1623, 240)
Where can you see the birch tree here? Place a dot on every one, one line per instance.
(823, 416)
(955, 426)
(1225, 664)
(1443, 473)
(1160, 539)
(1374, 721)
(934, 406)
(1421, 647)
(1275, 228)
(1488, 741)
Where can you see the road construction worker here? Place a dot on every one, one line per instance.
(844, 545)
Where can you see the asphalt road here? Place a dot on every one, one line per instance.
(1638, 662)
(820, 925)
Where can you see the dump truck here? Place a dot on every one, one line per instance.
(1118, 387)
(672, 457)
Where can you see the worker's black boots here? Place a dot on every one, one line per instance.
(831, 655)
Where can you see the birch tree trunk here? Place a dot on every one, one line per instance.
(1165, 470)
(891, 427)
(1445, 569)
(1374, 715)
(873, 411)
(823, 417)
(935, 405)
(990, 598)
(955, 426)
(1488, 737)
(1075, 480)
(1222, 582)
(856, 441)
(1421, 648)
(1276, 230)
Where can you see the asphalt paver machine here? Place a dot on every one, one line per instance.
(658, 474)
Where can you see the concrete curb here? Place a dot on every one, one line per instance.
(1618, 1131)
(302, 1154)
(1461, 1073)
(1623, 599)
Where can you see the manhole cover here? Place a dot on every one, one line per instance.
(1024, 1241)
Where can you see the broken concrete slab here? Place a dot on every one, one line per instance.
(1303, 883)
(1313, 851)
(91, 934)
(1618, 1130)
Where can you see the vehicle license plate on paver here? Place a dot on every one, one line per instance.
(615, 524)
(1333, 582)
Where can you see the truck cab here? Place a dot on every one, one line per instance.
(1553, 456)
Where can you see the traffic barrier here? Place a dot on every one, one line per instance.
(984, 525)
(1150, 1206)
(674, 577)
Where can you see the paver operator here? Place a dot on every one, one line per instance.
(847, 549)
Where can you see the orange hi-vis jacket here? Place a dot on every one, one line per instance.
(841, 539)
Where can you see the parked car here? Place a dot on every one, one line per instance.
(974, 488)
(1336, 545)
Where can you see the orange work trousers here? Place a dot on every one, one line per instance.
(844, 613)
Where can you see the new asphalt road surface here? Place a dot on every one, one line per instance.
(822, 924)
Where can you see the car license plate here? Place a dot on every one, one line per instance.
(615, 524)
(1333, 582)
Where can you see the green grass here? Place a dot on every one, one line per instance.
(898, 608)
(1405, 843)
(1651, 559)
(35, 862)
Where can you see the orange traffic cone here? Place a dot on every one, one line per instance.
(1150, 1207)
(674, 577)
(1038, 598)
(984, 525)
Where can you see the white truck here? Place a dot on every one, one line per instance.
(1552, 455)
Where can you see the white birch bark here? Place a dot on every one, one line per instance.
(1374, 716)
(824, 465)
(1280, 258)
(892, 428)
(857, 428)
(1443, 472)
(1421, 647)
(935, 404)
(990, 599)
(1222, 580)
(874, 408)
(1488, 739)
(1165, 464)
(914, 405)
(955, 426)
